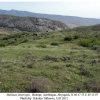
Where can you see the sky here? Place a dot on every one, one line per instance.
(81, 8)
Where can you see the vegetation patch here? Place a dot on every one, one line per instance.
(50, 58)
(41, 46)
(93, 85)
(50, 62)
(55, 43)
(40, 85)
(68, 38)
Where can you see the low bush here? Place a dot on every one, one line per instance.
(86, 43)
(93, 85)
(3, 44)
(40, 84)
(90, 42)
(96, 47)
(68, 38)
(41, 46)
(55, 43)
(24, 41)
(75, 36)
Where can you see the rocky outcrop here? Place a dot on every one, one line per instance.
(70, 21)
(30, 24)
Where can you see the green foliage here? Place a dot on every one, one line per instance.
(2, 44)
(71, 37)
(41, 46)
(68, 38)
(89, 42)
(70, 66)
(75, 36)
(55, 43)
(96, 47)
(86, 43)
(24, 41)
(96, 28)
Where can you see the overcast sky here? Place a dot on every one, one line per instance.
(81, 8)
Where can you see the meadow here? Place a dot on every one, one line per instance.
(62, 61)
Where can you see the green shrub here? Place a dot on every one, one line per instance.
(86, 43)
(40, 84)
(24, 41)
(41, 46)
(30, 65)
(11, 42)
(2, 44)
(89, 42)
(75, 36)
(35, 34)
(68, 38)
(55, 43)
(93, 85)
(96, 47)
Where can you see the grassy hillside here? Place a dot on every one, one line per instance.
(64, 61)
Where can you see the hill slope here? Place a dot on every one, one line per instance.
(30, 24)
(71, 21)
(62, 61)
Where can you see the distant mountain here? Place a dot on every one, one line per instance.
(30, 24)
(70, 21)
